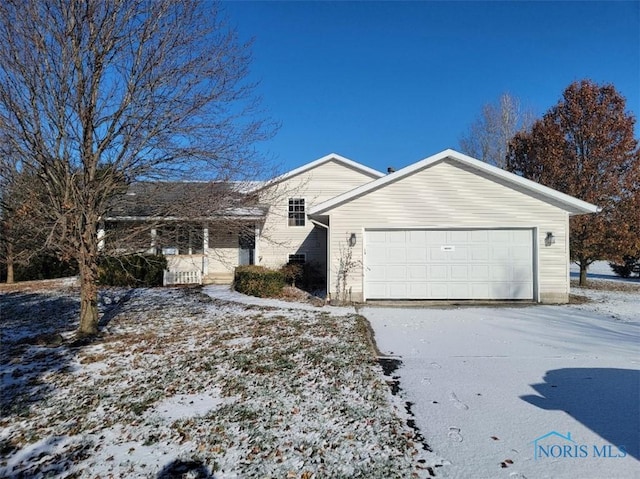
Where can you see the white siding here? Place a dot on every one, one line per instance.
(319, 184)
(447, 195)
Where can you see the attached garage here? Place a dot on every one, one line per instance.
(449, 264)
(449, 227)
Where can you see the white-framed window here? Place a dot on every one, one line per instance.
(180, 238)
(297, 214)
(297, 258)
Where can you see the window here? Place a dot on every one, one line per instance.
(298, 258)
(297, 215)
(180, 239)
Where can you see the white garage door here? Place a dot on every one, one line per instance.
(449, 264)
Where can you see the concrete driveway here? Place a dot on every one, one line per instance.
(497, 391)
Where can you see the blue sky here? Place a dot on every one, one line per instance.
(390, 83)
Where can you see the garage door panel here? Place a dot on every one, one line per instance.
(437, 254)
(517, 252)
(500, 236)
(416, 254)
(521, 236)
(459, 272)
(479, 236)
(438, 272)
(480, 290)
(449, 264)
(374, 237)
(480, 272)
(377, 290)
(417, 272)
(396, 237)
(438, 290)
(459, 291)
(460, 253)
(397, 255)
(418, 290)
(396, 273)
(478, 253)
(377, 251)
(376, 272)
(459, 236)
(500, 289)
(499, 253)
(398, 290)
(416, 236)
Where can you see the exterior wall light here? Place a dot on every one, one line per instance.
(550, 239)
(352, 240)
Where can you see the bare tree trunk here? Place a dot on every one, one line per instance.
(9, 261)
(583, 274)
(88, 264)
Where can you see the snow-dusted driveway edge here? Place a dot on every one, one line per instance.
(225, 293)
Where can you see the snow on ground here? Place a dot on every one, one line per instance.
(225, 293)
(487, 382)
(601, 270)
(180, 382)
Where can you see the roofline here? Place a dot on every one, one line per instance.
(325, 159)
(574, 203)
(184, 218)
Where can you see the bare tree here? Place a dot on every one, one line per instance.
(95, 95)
(488, 137)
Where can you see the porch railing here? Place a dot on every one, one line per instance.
(172, 278)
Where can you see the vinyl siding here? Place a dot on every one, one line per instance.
(448, 195)
(319, 184)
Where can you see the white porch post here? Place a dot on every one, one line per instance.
(154, 238)
(101, 234)
(256, 241)
(205, 250)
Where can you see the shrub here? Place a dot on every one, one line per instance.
(258, 281)
(631, 265)
(132, 270)
(45, 266)
(307, 276)
(292, 273)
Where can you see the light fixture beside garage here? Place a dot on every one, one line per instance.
(550, 239)
(352, 240)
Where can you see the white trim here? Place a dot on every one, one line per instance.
(256, 240)
(318, 223)
(536, 262)
(326, 159)
(306, 208)
(572, 205)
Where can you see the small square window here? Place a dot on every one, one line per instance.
(297, 215)
(298, 258)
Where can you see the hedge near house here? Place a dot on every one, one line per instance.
(135, 270)
(258, 281)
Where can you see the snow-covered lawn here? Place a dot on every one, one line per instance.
(487, 382)
(182, 382)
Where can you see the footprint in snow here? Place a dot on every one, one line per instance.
(517, 475)
(426, 381)
(434, 365)
(454, 434)
(456, 402)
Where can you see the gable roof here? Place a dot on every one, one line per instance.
(325, 159)
(567, 202)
